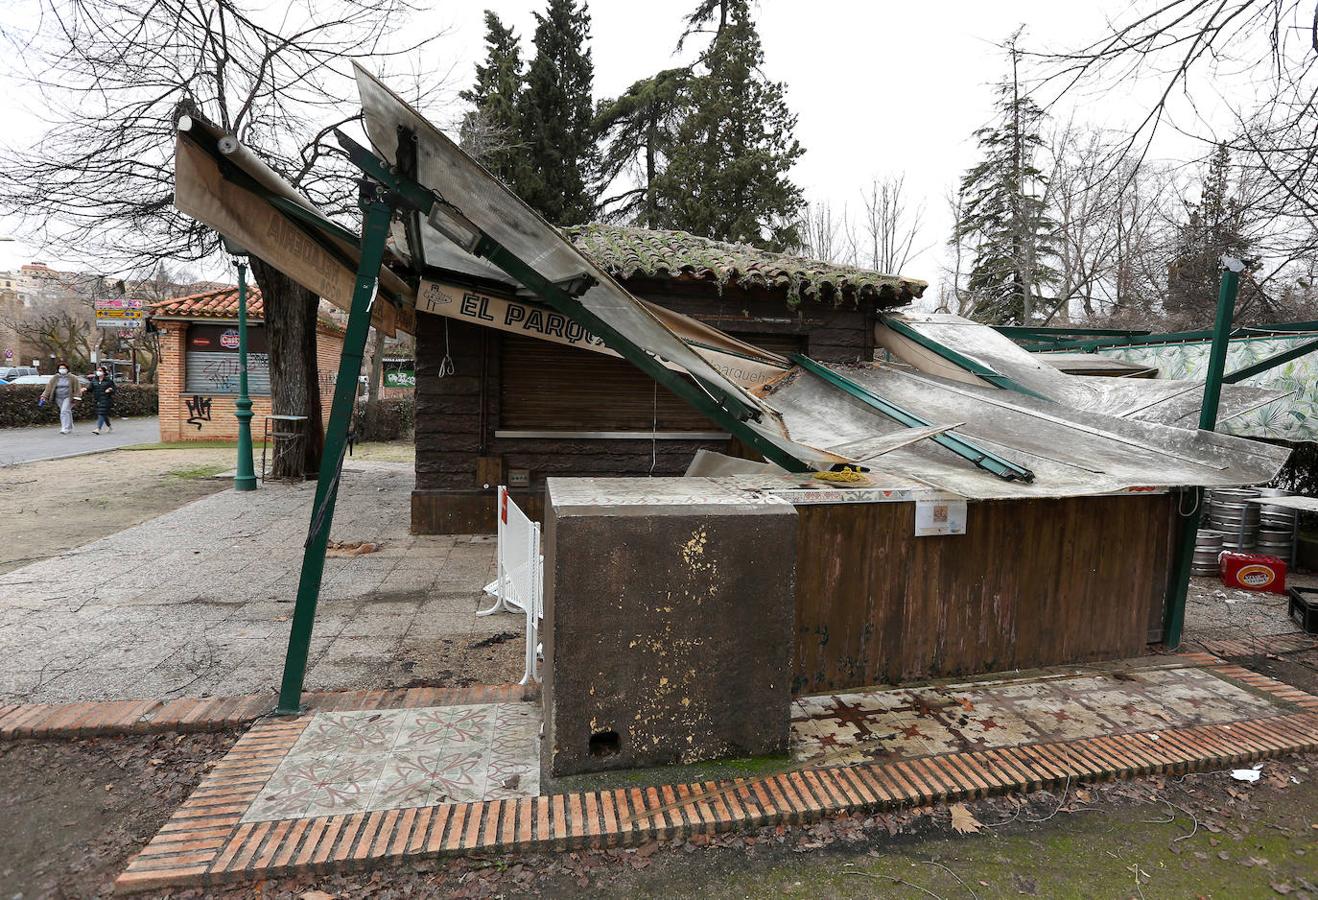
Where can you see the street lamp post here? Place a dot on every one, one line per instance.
(244, 478)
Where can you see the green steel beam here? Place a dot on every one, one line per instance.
(726, 409)
(1276, 329)
(1269, 362)
(984, 459)
(960, 360)
(1174, 617)
(1226, 307)
(378, 210)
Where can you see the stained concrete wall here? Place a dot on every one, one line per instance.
(668, 624)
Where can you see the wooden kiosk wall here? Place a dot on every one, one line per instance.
(1031, 583)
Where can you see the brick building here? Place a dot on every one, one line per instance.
(198, 371)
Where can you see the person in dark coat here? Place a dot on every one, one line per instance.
(102, 387)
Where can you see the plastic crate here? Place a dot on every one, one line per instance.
(1304, 608)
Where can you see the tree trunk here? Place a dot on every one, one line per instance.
(290, 322)
(377, 366)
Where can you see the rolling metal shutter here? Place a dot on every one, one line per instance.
(551, 387)
(211, 365)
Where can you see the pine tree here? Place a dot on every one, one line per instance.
(1214, 227)
(557, 118)
(640, 132)
(728, 176)
(1003, 212)
(490, 132)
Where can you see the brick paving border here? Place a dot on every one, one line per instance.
(204, 843)
(1293, 642)
(68, 720)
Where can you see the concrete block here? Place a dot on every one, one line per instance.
(669, 619)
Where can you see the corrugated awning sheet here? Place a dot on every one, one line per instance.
(1168, 401)
(1071, 451)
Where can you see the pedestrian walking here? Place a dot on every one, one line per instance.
(64, 389)
(102, 388)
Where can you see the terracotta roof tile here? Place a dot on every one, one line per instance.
(218, 304)
(626, 252)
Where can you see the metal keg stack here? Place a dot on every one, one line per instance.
(1276, 534)
(1207, 546)
(1236, 519)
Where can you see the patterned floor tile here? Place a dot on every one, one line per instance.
(902, 723)
(392, 759)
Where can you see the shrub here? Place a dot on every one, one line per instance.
(18, 404)
(390, 419)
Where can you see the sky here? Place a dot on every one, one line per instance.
(880, 88)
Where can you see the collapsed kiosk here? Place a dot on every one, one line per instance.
(1003, 518)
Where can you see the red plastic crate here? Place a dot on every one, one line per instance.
(1253, 572)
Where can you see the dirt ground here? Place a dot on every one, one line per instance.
(75, 811)
(54, 505)
(78, 810)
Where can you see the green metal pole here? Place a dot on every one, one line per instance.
(1174, 619)
(375, 228)
(244, 478)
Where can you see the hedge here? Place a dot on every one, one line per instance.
(390, 419)
(18, 404)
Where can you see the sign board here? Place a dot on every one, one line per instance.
(120, 312)
(201, 191)
(399, 378)
(536, 321)
(934, 517)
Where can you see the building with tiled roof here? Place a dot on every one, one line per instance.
(198, 368)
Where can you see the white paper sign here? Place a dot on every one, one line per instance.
(940, 517)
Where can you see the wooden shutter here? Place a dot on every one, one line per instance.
(550, 387)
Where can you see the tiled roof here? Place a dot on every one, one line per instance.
(219, 304)
(626, 252)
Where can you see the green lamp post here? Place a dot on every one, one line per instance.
(244, 478)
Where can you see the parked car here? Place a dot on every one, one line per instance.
(42, 379)
(9, 373)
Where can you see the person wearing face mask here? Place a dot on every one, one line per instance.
(63, 389)
(102, 388)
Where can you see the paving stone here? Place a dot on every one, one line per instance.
(191, 600)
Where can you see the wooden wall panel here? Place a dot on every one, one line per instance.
(1032, 583)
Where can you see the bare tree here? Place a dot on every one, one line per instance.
(1261, 55)
(953, 297)
(114, 75)
(892, 223)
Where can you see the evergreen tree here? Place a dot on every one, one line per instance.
(640, 132)
(1214, 228)
(490, 132)
(557, 118)
(727, 177)
(1003, 212)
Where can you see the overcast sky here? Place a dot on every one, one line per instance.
(879, 87)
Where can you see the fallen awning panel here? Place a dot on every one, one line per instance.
(1167, 401)
(1070, 452)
